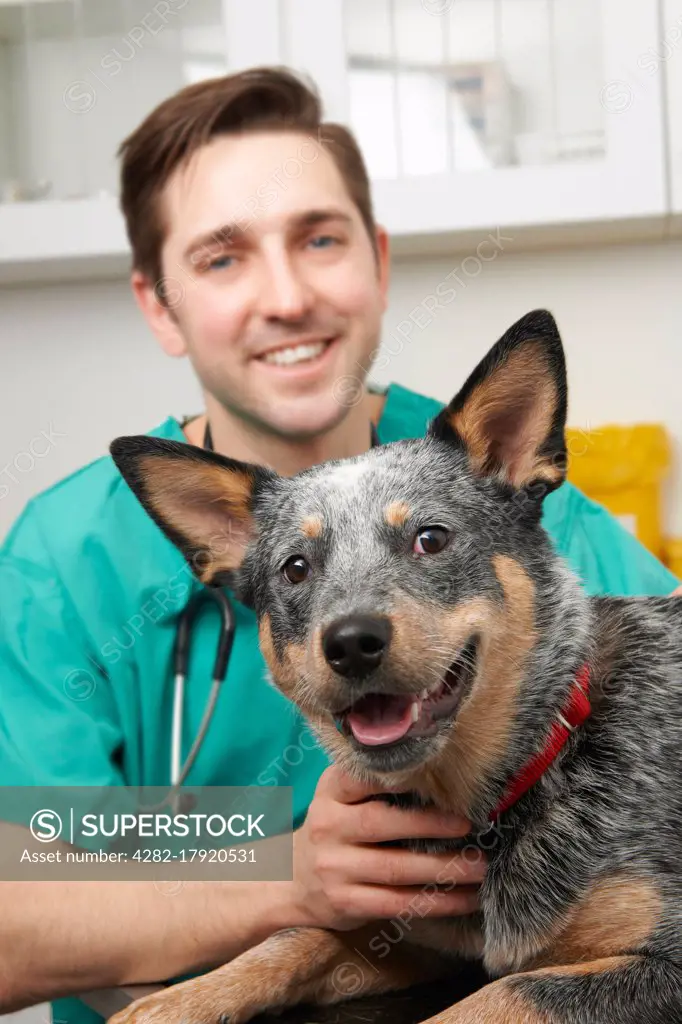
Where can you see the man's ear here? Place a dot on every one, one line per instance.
(201, 500)
(158, 304)
(510, 416)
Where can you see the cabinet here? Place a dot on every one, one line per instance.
(76, 76)
(517, 113)
(537, 117)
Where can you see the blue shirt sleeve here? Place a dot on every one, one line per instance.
(605, 556)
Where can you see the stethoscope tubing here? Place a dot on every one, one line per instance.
(180, 771)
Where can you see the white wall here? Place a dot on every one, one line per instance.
(77, 358)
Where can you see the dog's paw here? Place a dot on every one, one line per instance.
(204, 1000)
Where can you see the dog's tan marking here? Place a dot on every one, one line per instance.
(522, 387)
(266, 645)
(617, 914)
(288, 670)
(496, 1003)
(404, 965)
(312, 526)
(208, 505)
(169, 481)
(481, 733)
(294, 966)
(502, 1003)
(396, 513)
(601, 966)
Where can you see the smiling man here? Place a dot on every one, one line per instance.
(256, 255)
(274, 273)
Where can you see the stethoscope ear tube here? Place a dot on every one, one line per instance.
(184, 632)
(226, 633)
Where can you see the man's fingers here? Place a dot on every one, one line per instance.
(383, 903)
(340, 786)
(376, 822)
(677, 593)
(404, 867)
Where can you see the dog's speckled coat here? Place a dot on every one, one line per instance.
(581, 916)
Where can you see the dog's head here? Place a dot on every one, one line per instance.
(397, 591)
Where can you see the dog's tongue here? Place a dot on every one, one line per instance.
(378, 718)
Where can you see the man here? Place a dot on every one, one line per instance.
(255, 253)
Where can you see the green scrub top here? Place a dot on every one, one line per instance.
(90, 593)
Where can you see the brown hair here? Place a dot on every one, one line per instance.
(254, 100)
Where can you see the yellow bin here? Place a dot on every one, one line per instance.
(673, 556)
(623, 468)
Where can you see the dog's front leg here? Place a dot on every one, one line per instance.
(293, 966)
(614, 990)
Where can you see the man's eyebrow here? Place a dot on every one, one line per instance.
(313, 217)
(234, 234)
(226, 234)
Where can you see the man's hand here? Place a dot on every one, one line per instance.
(342, 878)
(677, 593)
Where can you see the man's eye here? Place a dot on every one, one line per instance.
(322, 241)
(221, 262)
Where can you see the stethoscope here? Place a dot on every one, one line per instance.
(206, 595)
(180, 771)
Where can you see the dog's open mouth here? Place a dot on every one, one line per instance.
(378, 719)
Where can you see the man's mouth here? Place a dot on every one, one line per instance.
(298, 353)
(378, 719)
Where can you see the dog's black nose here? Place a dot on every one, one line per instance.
(355, 645)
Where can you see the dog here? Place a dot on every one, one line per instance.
(411, 605)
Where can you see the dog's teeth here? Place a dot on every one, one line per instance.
(415, 711)
(424, 694)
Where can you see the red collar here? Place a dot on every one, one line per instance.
(573, 714)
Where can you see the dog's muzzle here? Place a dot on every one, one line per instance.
(382, 712)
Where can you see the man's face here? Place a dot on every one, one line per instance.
(266, 250)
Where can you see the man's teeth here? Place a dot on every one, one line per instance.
(295, 354)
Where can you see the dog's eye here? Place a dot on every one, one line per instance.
(430, 541)
(295, 569)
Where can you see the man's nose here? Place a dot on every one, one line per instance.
(284, 293)
(355, 644)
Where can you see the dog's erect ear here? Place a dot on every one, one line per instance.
(510, 415)
(201, 500)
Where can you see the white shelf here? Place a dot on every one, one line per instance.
(61, 239)
(57, 19)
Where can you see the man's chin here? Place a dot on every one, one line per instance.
(299, 425)
(309, 413)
